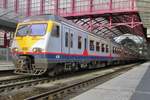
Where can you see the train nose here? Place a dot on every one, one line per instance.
(26, 65)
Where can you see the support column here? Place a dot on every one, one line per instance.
(56, 7)
(110, 5)
(110, 22)
(91, 23)
(132, 21)
(28, 12)
(91, 5)
(132, 4)
(5, 4)
(73, 6)
(16, 6)
(42, 7)
(5, 40)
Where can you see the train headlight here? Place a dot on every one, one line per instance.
(37, 49)
(15, 49)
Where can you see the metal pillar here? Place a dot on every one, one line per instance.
(42, 7)
(5, 40)
(16, 5)
(56, 7)
(110, 5)
(91, 5)
(28, 12)
(132, 4)
(5, 2)
(73, 6)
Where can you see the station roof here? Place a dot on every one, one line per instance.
(135, 38)
(144, 11)
(124, 14)
(8, 18)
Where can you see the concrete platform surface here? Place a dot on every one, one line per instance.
(132, 85)
(6, 65)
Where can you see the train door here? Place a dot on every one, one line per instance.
(66, 39)
(71, 41)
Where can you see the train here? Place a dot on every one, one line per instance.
(52, 44)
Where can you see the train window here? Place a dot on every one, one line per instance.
(55, 31)
(97, 46)
(117, 50)
(113, 49)
(23, 30)
(71, 41)
(66, 39)
(38, 29)
(85, 43)
(91, 45)
(107, 49)
(103, 48)
(79, 42)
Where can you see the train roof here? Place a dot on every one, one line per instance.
(57, 19)
(40, 17)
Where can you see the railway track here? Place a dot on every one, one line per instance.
(9, 83)
(12, 79)
(22, 82)
(61, 92)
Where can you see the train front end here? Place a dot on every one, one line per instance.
(29, 47)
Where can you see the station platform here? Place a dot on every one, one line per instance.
(132, 85)
(6, 65)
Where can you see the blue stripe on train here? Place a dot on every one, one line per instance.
(56, 57)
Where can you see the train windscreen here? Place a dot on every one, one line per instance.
(32, 29)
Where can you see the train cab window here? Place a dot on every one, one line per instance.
(37, 29)
(71, 41)
(79, 42)
(55, 31)
(91, 45)
(66, 39)
(103, 48)
(107, 49)
(97, 46)
(23, 30)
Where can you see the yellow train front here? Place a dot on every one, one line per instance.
(30, 45)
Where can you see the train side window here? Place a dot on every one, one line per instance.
(55, 31)
(79, 42)
(113, 49)
(66, 39)
(91, 45)
(107, 49)
(97, 46)
(103, 48)
(71, 41)
(85, 43)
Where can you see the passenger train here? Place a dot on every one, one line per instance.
(51, 44)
